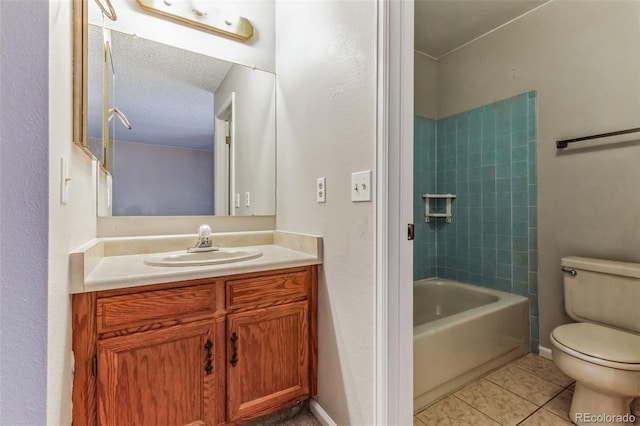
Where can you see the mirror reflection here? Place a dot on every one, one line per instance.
(202, 136)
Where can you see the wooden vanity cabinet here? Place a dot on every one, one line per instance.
(159, 377)
(269, 343)
(150, 356)
(206, 352)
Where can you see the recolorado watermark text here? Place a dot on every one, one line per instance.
(604, 418)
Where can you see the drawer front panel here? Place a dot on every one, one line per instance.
(133, 310)
(267, 290)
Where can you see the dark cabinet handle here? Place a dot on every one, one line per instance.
(209, 366)
(234, 355)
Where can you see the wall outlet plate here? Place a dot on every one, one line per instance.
(321, 190)
(361, 186)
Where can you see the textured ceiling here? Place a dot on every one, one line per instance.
(165, 92)
(443, 25)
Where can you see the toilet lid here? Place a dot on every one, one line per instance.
(599, 342)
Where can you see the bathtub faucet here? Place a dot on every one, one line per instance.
(204, 241)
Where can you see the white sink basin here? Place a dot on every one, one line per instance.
(182, 258)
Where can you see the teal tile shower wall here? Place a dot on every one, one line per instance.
(424, 169)
(487, 157)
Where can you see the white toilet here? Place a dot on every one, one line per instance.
(602, 351)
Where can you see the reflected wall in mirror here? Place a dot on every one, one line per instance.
(99, 90)
(202, 137)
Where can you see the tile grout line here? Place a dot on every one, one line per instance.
(549, 412)
(459, 388)
(478, 410)
(486, 377)
(568, 419)
(522, 397)
(518, 396)
(530, 415)
(539, 407)
(536, 375)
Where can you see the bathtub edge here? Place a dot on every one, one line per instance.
(434, 395)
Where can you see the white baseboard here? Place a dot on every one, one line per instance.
(320, 414)
(545, 352)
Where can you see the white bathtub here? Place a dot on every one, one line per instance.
(460, 332)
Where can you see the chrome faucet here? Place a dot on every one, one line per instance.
(204, 241)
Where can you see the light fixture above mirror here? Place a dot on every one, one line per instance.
(202, 15)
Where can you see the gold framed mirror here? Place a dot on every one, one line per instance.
(93, 63)
(176, 87)
(80, 72)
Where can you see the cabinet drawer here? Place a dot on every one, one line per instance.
(134, 310)
(267, 290)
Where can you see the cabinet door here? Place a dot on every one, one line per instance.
(268, 355)
(160, 377)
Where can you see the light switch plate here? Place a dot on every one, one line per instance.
(64, 181)
(361, 186)
(321, 190)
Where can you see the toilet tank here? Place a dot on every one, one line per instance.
(603, 292)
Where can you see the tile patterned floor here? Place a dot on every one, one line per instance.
(530, 391)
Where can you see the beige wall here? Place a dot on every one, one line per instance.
(326, 72)
(425, 89)
(583, 58)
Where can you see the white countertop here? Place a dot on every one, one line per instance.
(92, 270)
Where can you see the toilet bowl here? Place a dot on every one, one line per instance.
(602, 351)
(607, 380)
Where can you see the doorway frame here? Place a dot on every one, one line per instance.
(394, 210)
(224, 157)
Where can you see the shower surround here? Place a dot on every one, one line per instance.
(487, 158)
